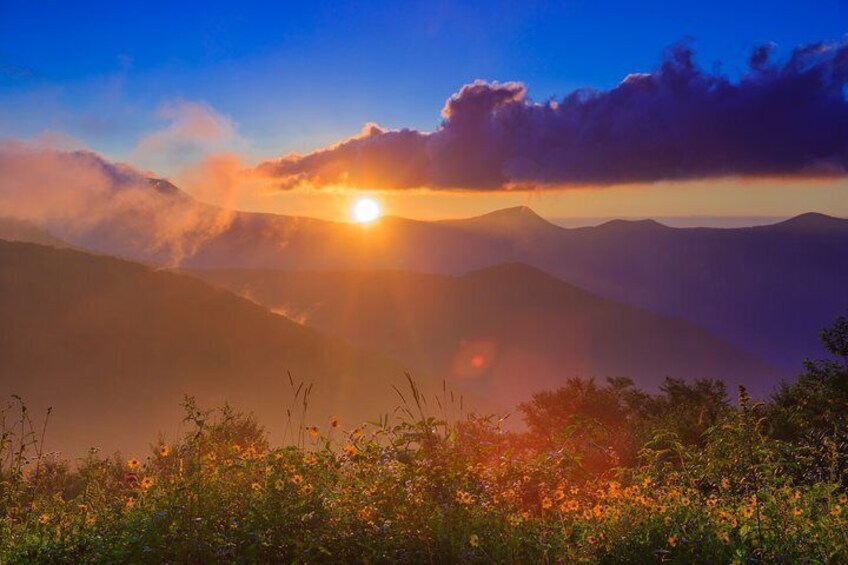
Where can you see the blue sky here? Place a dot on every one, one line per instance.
(295, 76)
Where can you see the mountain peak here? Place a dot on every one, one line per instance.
(163, 186)
(632, 224)
(517, 217)
(518, 212)
(813, 221)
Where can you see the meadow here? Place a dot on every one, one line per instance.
(603, 473)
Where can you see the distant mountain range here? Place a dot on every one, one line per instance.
(768, 290)
(113, 346)
(507, 331)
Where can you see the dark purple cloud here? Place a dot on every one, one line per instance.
(780, 118)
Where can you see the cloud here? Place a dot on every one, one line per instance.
(784, 118)
(81, 197)
(193, 131)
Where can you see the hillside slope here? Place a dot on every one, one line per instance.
(113, 346)
(507, 330)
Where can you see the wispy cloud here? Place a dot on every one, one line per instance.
(85, 199)
(781, 118)
(193, 131)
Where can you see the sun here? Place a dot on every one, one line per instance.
(365, 210)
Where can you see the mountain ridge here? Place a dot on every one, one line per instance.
(541, 329)
(114, 345)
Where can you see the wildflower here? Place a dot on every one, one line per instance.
(591, 540)
(130, 502)
(747, 511)
(796, 495)
(313, 431)
(164, 450)
(474, 540)
(256, 486)
(133, 463)
(797, 511)
(672, 541)
(350, 450)
(712, 501)
(310, 459)
(723, 537)
(146, 482)
(514, 520)
(836, 510)
(357, 433)
(307, 489)
(297, 479)
(334, 422)
(569, 506)
(279, 484)
(547, 503)
(685, 501)
(237, 448)
(464, 497)
(843, 499)
(43, 519)
(646, 482)
(559, 494)
(725, 483)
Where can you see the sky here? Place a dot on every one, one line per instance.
(208, 94)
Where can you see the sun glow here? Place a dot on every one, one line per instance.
(365, 210)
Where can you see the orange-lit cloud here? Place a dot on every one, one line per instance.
(680, 122)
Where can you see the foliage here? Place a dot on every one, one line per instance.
(604, 474)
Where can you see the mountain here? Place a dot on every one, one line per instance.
(768, 289)
(506, 331)
(113, 346)
(12, 229)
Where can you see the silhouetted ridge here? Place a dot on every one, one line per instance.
(513, 270)
(515, 217)
(634, 225)
(813, 221)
